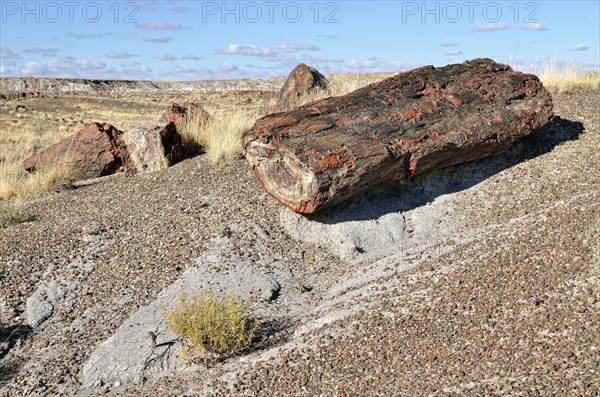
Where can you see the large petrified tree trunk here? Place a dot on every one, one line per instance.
(429, 118)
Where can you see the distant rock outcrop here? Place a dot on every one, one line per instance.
(303, 80)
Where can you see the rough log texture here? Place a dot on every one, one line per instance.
(93, 152)
(429, 118)
(303, 80)
(152, 147)
(101, 149)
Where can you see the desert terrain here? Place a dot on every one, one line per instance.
(478, 279)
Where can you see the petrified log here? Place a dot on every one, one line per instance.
(302, 80)
(93, 152)
(101, 149)
(152, 147)
(429, 118)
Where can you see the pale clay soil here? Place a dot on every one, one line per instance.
(504, 299)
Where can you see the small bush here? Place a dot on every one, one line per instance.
(11, 214)
(211, 326)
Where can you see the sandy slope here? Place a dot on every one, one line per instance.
(490, 286)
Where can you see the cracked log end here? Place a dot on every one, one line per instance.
(285, 177)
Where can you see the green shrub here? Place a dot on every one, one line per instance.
(210, 326)
(10, 214)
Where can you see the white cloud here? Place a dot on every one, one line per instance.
(191, 57)
(243, 49)
(490, 27)
(449, 44)
(179, 10)
(159, 26)
(7, 53)
(5, 72)
(269, 54)
(159, 40)
(72, 63)
(134, 68)
(120, 55)
(45, 52)
(227, 68)
(165, 57)
(9, 62)
(71, 67)
(33, 68)
(185, 69)
(372, 64)
(290, 48)
(579, 47)
(453, 52)
(534, 26)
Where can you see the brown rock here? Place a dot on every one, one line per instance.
(302, 80)
(179, 113)
(327, 151)
(93, 152)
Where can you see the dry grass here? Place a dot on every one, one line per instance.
(220, 136)
(342, 84)
(11, 213)
(18, 184)
(28, 126)
(211, 326)
(568, 79)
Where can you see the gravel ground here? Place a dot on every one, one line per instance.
(512, 311)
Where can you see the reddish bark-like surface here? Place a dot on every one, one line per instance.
(94, 151)
(179, 113)
(429, 118)
(101, 149)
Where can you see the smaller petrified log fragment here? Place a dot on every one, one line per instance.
(152, 147)
(93, 152)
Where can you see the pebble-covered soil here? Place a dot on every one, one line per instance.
(512, 310)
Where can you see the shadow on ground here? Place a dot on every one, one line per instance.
(422, 189)
(273, 332)
(9, 337)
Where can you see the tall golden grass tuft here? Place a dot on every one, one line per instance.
(16, 183)
(220, 136)
(342, 84)
(568, 79)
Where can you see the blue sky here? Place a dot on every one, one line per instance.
(193, 40)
